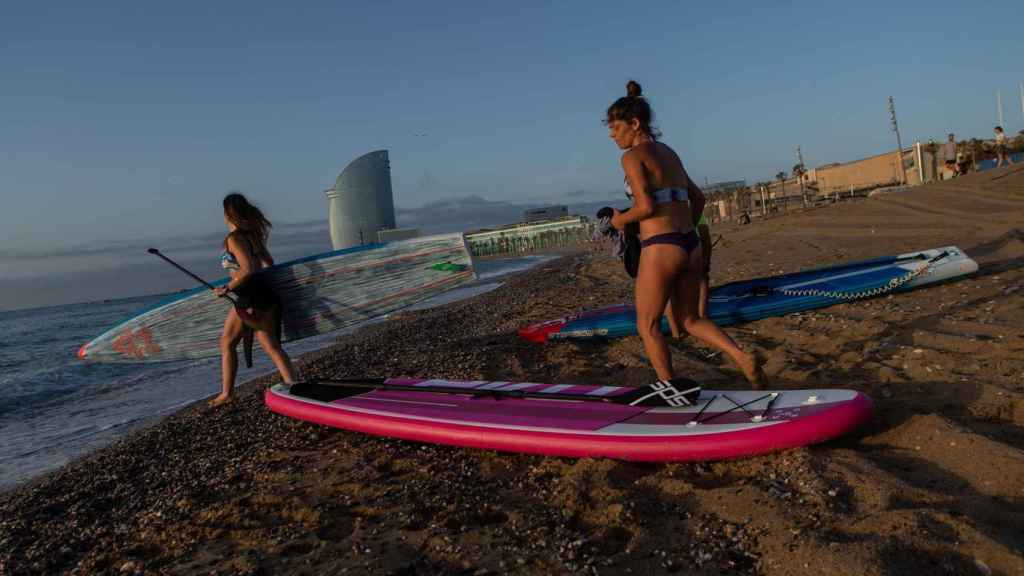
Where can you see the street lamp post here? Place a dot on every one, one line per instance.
(899, 143)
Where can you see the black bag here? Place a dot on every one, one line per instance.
(630, 242)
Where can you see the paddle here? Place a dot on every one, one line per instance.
(676, 393)
(246, 331)
(187, 271)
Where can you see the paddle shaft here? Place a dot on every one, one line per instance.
(187, 271)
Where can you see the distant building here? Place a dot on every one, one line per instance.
(546, 213)
(361, 202)
(529, 237)
(724, 186)
(394, 234)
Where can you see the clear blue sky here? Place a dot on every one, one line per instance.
(127, 121)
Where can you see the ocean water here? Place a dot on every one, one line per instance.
(55, 408)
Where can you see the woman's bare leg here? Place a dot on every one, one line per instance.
(705, 281)
(229, 338)
(277, 354)
(659, 267)
(686, 303)
(675, 327)
(705, 289)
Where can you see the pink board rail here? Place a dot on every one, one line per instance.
(713, 429)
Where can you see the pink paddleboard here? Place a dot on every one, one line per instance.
(721, 424)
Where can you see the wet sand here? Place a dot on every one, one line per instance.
(934, 485)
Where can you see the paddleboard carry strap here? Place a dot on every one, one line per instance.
(675, 393)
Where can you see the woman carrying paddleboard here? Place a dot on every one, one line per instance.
(666, 203)
(258, 305)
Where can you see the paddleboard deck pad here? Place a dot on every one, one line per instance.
(321, 293)
(722, 424)
(750, 300)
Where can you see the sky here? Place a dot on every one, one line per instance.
(124, 124)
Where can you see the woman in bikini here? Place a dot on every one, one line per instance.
(258, 305)
(666, 203)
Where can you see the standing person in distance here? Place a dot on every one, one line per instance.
(258, 306)
(666, 203)
(949, 154)
(1001, 156)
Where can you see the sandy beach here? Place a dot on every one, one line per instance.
(934, 485)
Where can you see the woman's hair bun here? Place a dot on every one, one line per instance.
(633, 89)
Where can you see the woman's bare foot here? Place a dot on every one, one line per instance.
(221, 399)
(751, 367)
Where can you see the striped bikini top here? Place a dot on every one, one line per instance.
(664, 195)
(228, 261)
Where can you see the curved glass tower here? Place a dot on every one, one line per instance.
(361, 202)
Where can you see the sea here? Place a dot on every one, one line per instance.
(55, 408)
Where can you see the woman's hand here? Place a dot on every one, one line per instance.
(221, 291)
(617, 219)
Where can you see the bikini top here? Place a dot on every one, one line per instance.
(230, 263)
(664, 195)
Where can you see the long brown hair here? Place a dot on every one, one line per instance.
(249, 221)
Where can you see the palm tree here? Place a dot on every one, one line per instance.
(781, 177)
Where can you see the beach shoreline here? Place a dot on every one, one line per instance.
(932, 485)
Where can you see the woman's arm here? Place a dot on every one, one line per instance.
(643, 203)
(697, 198)
(697, 202)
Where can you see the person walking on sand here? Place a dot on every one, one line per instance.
(1001, 155)
(258, 305)
(949, 155)
(666, 203)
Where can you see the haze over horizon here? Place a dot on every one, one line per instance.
(125, 124)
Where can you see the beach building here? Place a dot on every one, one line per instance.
(851, 178)
(526, 237)
(918, 167)
(724, 199)
(361, 201)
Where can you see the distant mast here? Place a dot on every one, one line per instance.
(1022, 101)
(999, 106)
